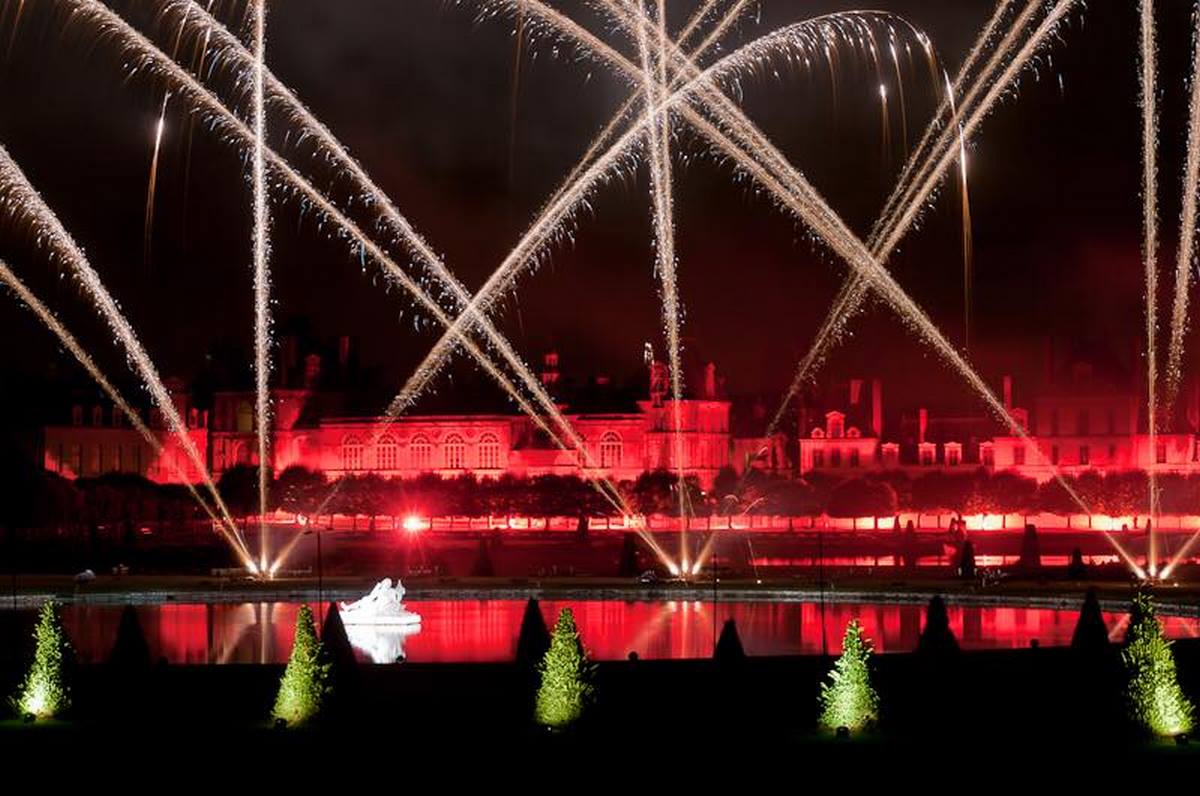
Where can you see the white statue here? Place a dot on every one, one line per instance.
(382, 606)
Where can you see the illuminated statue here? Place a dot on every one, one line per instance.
(382, 606)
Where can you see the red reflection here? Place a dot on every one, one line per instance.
(486, 630)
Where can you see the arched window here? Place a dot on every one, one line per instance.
(352, 453)
(610, 450)
(489, 452)
(420, 452)
(386, 453)
(97, 415)
(455, 452)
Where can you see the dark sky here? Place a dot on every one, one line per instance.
(420, 91)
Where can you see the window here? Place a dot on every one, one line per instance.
(610, 450)
(1054, 422)
(489, 452)
(818, 458)
(837, 424)
(854, 457)
(420, 452)
(987, 456)
(77, 415)
(455, 452)
(1084, 454)
(97, 415)
(77, 459)
(136, 459)
(386, 453)
(118, 459)
(1084, 424)
(352, 453)
(1160, 453)
(1112, 422)
(953, 455)
(1054, 454)
(835, 457)
(1112, 453)
(927, 454)
(1019, 454)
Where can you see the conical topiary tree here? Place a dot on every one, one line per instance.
(305, 682)
(566, 674)
(847, 699)
(44, 692)
(1156, 702)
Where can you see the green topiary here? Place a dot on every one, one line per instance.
(1156, 702)
(566, 674)
(305, 682)
(44, 692)
(847, 699)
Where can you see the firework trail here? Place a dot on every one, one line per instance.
(68, 341)
(262, 279)
(147, 57)
(16, 24)
(654, 78)
(794, 193)
(234, 52)
(153, 182)
(1187, 231)
(22, 203)
(1148, 87)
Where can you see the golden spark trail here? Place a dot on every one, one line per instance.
(232, 126)
(262, 280)
(408, 236)
(1185, 261)
(22, 202)
(918, 156)
(68, 341)
(654, 78)
(802, 199)
(1147, 96)
(153, 182)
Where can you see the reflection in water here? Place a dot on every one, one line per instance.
(380, 643)
(486, 630)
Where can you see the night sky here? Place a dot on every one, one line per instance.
(421, 92)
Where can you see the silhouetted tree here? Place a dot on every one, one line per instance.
(1091, 634)
(482, 568)
(966, 561)
(1030, 560)
(629, 563)
(534, 638)
(936, 637)
(130, 651)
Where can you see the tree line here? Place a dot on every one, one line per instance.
(46, 500)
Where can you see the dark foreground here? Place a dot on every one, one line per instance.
(1001, 717)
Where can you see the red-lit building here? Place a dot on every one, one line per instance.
(311, 428)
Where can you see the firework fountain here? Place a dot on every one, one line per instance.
(673, 89)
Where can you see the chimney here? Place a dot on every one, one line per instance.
(877, 408)
(710, 381)
(922, 424)
(312, 371)
(288, 361)
(1048, 362)
(1008, 393)
(855, 391)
